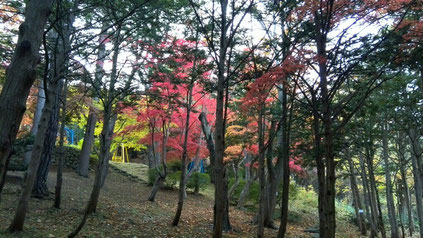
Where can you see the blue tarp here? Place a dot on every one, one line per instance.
(191, 166)
(70, 134)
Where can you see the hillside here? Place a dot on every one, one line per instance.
(125, 212)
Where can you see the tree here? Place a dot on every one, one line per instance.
(20, 76)
(220, 34)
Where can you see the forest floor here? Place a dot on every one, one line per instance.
(123, 211)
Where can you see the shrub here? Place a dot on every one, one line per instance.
(17, 164)
(253, 192)
(21, 145)
(198, 181)
(70, 156)
(152, 175)
(174, 166)
(172, 179)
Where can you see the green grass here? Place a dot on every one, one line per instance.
(134, 169)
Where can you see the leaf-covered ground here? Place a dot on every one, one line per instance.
(124, 211)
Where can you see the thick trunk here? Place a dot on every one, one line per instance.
(84, 158)
(283, 155)
(271, 186)
(220, 193)
(389, 195)
(320, 167)
(19, 219)
(20, 75)
(108, 154)
(3, 176)
(356, 197)
(40, 189)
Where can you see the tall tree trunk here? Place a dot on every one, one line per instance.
(36, 121)
(41, 100)
(261, 174)
(161, 176)
(40, 189)
(271, 185)
(389, 195)
(418, 183)
(19, 219)
(59, 176)
(220, 193)
(406, 189)
(401, 206)
(182, 181)
(20, 76)
(105, 141)
(108, 154)
(106, 134)
(84, 157)
(368, 198)
(283, 156)
(210, 143)
(356, 196)
(375, 193)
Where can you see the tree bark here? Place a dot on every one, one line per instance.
(261, 174)
(220, 193)
(237, 180)
(356, 196)
(19, 219)
(283, 155)
(389, 195)
(182, 181)
(374, 192)
(84, 158)
(406, 189)
(157, 183)
(106, 134)
(210, 143)
(59, 176)
(36, 121)
(372, 214)
(40, 189)
(418, 183)
(245, 191)
(39, 108)
(105, 141)
(20, 75)
(108, 154)
(161, 176)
